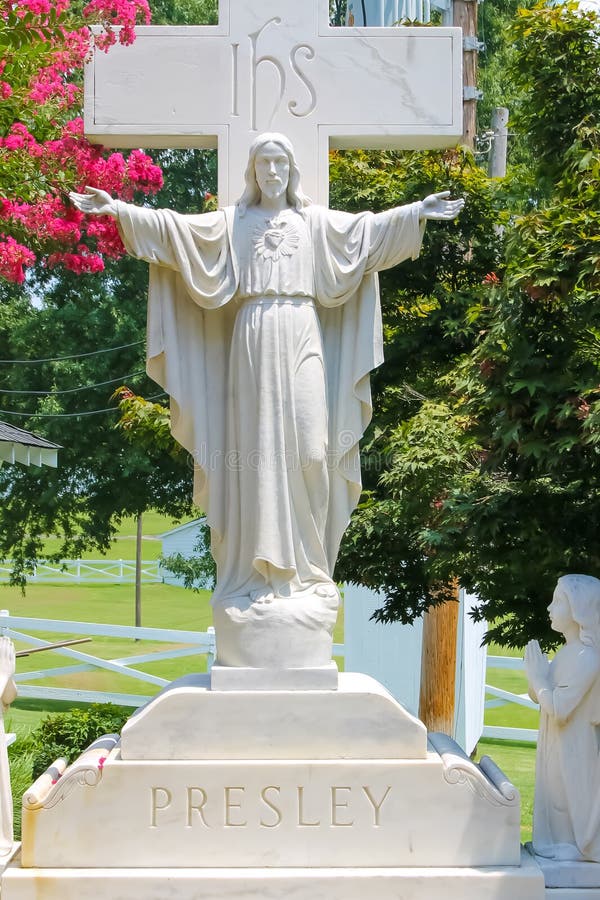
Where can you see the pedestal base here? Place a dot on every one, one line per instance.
(190, 720)
(524, 882)
(237, 678)
(568, 880)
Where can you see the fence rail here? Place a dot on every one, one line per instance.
(88, 571)
(501, 697)
(18, 628)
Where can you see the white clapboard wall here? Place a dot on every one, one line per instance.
(392, 655)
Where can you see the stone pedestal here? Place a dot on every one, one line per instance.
(567, 879)
(279, 794)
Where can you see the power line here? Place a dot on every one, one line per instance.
(93, 412)
(32, 362)
(84, 387)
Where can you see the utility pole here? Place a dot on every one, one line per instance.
(438, 666)
(499, 147)
(440, 623)
(464, 15)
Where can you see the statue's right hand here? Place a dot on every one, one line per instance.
(94, 202)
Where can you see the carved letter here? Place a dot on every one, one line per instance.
(198, 807)
(156, 806)
(271, 806)
(309, 54)
(234, 81)
(376, 806)
(301, 810)
(230, 806)
(256, 61)
(335, 806)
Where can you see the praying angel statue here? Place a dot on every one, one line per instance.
(263, 326)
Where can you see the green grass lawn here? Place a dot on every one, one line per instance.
(517, 760)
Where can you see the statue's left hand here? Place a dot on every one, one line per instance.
(437, 206)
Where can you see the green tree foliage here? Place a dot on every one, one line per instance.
(532, 386)
(101, 476)
(415, 445)
(494, 478)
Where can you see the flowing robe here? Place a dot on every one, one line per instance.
(264, 331)
(566, 819)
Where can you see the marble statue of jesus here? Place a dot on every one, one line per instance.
(263, 327)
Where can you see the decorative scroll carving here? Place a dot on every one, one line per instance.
(52, 787)
(486, 780)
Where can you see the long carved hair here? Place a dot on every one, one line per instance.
(296, 198)
(583, 595)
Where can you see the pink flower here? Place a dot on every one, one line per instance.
(14, 257)
(146, 176)
(5, 90)
(82, 262)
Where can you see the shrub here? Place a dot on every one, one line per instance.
(69, 734)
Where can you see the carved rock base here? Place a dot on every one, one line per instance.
(277, 633)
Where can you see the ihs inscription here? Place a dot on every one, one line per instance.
(298, 55)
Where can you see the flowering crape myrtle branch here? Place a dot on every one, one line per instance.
(43, 152)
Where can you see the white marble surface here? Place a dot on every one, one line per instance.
(523, 882)
(343, 813)
(188, 721)
(242, 678)
(572, 894)
(568, 874)
(276, 65)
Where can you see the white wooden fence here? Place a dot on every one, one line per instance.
(88, 571)
(19, 628)
(189, 643)
(500, 698)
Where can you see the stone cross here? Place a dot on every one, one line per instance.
(277, 65)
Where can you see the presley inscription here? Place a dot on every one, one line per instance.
(235, 806)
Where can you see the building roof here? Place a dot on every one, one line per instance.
(20, 446)
(28, 438)
(193, 524)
